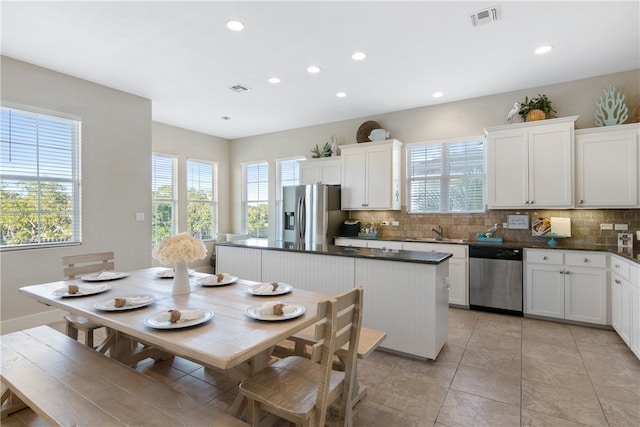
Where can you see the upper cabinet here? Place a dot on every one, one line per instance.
(371, 175)
(324, 170)
(607, 167)
(530, 165)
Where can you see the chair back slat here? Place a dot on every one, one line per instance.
(77, 265)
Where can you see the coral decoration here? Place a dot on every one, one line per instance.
(611, 110)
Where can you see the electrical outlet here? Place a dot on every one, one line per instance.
(606, 226)
(385, 222)
(621, 227)
(395, 223)
(139, 216)
(505, 225)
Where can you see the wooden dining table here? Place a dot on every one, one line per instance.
(231, 340)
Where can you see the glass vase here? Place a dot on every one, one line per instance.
(181, 283)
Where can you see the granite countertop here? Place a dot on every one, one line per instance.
(379, 254)
(563, 244)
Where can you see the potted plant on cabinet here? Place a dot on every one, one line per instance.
(538, 108)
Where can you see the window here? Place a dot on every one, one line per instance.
(202, 206)
(256, 199)
(39, 173)
(446, 176)
(287, 173)
(163, 197)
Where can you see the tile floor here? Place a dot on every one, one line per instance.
(493, 371)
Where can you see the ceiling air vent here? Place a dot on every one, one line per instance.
(239, 88)
(484, 16)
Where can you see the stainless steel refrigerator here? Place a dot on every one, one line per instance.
(311, 214)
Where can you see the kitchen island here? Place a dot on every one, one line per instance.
(405, 292)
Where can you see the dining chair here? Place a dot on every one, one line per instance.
(77, 266)
(301, 390)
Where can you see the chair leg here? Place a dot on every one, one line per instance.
(88, 339)
(72, 332)
(253, 413)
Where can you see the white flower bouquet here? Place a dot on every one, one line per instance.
(179, 249)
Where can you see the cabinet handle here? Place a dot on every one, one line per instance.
(530, 202)
(581, 201)
(561, 272)
(526, 202)
(545, 257)
(567, 272)
(617, 281)
(586, 260)
(617, 265)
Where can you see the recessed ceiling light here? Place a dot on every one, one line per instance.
(235, 25)
(358, 56)
(274, 80)
(341, 94)
(225, 118)
(437, 94)
(314, 69)
(543, 49)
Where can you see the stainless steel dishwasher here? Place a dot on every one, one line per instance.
(495, 279)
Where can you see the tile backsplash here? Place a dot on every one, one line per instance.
(585, 224)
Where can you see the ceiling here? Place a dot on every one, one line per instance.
(180, 55)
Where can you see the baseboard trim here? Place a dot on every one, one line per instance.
(30, 321)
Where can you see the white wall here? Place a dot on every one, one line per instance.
(455, 119)
(116, 179)
(186, 144)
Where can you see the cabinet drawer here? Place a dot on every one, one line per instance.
(585, 259)
(620, 267)
(544, 257)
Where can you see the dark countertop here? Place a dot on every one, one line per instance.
(380, 254)
(563, 244)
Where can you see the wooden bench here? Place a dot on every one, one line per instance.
(67, 383)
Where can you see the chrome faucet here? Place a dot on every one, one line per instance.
(439, 232)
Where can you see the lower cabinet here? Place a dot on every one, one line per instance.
(625, 302)
(568, 285)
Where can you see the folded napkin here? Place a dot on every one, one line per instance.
(185, 315)
(82, 289)
(167, 272)
(275, 307)
(216, 278)
(265, 288)
(129, 301)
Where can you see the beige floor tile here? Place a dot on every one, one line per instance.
(504, 362)
(196, 388)
(536, 419)
(578, 406)
(618, 386)
(408, 393)
(495, 340)
(568, 374)
(621, 413)
(429, 371)
(463, 319)
(224, 401)
(560, 336)
(459, 334)
(489, 384)
(162, 371)
(464, 409)
(511, 325)
(216, 378)
(451, 352)
(372, 414)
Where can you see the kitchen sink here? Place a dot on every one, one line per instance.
(434, 240)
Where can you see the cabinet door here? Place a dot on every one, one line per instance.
(458, 282)
(309, 174)
(241, 262)
(607, 169)
(550, 167)
(320, 171)
(385, 244)
(616, 303)
(634, 317)
(507, 169)
(378, 177)
(586, 295)
(353, 189)
(544, 290)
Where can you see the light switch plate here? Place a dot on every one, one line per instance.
(139, 216)
(621, 227)
(606, 226)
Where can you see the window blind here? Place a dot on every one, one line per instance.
(201, 203)
(40, 180)
(256, 205)
(446, 177)
(163, 194)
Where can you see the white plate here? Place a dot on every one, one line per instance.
(83, 291)
(96, 277)
(283, 288)
(167, 273)
(152, 321)
(213, 280)
(109, 305)
(254, 313)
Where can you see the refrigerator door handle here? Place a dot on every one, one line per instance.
(303, 219)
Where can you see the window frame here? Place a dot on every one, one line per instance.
(173, 201)
(214, 195)
(74, 165)
(245, 196)
(445, 177)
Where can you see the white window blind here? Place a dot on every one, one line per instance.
(40, 179)
(446, 177)
(288, 173)
(201, 199)
(163, 193)
(256, 203)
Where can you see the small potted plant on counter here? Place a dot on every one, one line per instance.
(538, 108)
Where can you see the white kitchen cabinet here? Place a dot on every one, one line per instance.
(568, 285)
(458, 268)
(530, 165)
(371, 175)
(324, 170)
(607, 166)
(625, 301)
(239, 261)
